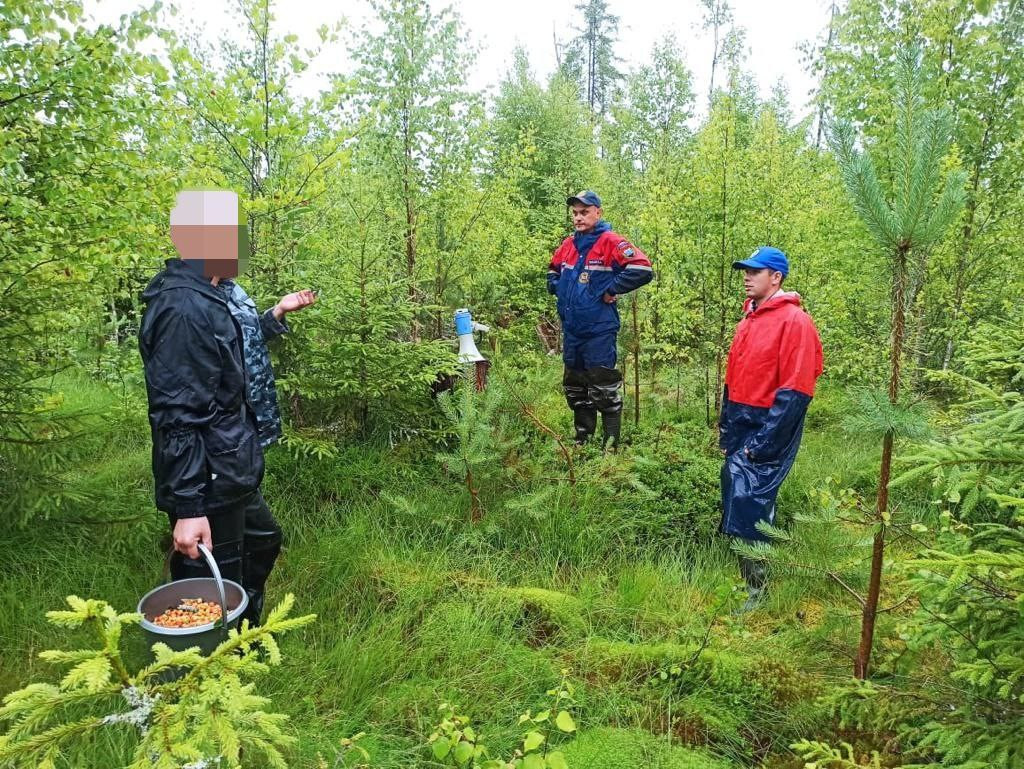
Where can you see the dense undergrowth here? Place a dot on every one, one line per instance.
(618, 579)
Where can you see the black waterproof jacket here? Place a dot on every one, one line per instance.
(206, 454)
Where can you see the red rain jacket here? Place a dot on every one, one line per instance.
(776, 347)
(774, 362)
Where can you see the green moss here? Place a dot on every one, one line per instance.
(610, 748)
(618, 660)
(543, 614)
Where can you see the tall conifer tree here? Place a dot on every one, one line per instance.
(905, 221)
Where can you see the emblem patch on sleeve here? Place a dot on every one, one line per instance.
(626, 249)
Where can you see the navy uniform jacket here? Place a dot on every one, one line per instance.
(586, 267)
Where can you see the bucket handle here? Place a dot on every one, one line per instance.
(216, 576)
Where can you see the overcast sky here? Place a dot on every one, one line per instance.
(774, 30)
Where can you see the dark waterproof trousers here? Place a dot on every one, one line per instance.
(592, 384)
(246, 543)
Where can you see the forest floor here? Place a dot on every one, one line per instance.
(417, 607)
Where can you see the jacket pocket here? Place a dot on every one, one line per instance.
(586, 305)
(234, 458)
(164, 383)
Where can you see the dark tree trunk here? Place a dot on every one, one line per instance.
(870, 611)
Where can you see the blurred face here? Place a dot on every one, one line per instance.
(216, 245)
(585, 217)
(205, 229)
(760, 284)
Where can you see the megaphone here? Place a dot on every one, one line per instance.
(464, 327)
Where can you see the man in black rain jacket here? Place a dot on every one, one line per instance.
(207, 457)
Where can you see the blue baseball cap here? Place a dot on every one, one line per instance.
(586, 198)
(765, 257)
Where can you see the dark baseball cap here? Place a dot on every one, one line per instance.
(586, 198)
(765, 257)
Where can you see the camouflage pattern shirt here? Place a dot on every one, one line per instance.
(257, 330)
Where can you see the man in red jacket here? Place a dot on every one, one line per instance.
(774, 362)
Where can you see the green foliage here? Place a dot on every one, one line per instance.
(977, 469)
(872, 415)
(728, 699)
(906, 218)
(208, 712)
(974, 50)
(682, 476)
(401, 194)
(824, 548)
(970, 590)
(983, 460)
(613, 748)
(77, 189)
(820, 755)
(909, 216)
(956, 700)
(590, 56)
(456, 743)
(958, 694)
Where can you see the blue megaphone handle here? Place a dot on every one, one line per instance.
(463, 322)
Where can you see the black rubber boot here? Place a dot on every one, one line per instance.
(755, 575)
(585, 423)
(261, 547)
(611, 427)
(261, 551)
(605, 388)
(577, 395)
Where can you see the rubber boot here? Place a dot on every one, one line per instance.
(611, 426)
(605, 388)
(577, 395)
(585, 423)
(755, 575)
(261, 550)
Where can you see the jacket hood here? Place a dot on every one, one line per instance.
(180, 274)
(584, 241)
(781, 299)
(600, 228)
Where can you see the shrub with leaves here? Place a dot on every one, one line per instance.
(207, 715)
(455, 743)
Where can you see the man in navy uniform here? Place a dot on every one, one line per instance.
(588, 273)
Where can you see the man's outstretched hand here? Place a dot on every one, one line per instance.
(610, 298)
(188, 532)
(292, 302)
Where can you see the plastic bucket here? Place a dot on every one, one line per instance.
(232, 598)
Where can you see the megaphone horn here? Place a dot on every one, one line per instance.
(464, 327)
